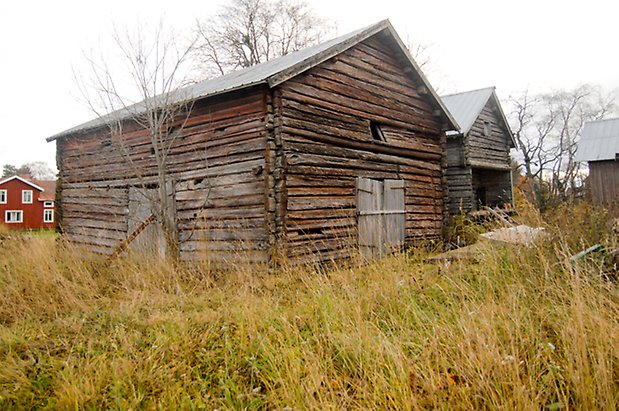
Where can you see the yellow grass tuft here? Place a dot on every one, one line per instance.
(518, 328)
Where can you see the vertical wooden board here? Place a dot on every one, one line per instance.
(394, 219)
(150, 241)
(603, 182)
(369, 193)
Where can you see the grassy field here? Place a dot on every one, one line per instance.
(515, 328)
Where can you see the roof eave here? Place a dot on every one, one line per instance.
(6, 180)
(452, 123)
(504, 118)
(333, 51)
(68, 133)
(294, 71)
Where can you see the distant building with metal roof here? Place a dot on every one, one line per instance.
(599, 141)
(466, 107)
(599, 146)
(478, 156)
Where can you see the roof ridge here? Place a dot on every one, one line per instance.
(334, 40)
(603, 119)
(270, 73)
(469, 91)
(243, 78)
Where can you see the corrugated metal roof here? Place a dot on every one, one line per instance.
(272, 72)
(466, 106)
(599, 141)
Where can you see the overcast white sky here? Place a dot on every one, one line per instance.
(513, 45)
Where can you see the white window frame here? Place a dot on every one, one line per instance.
(4, 196)
(49, 212)
(23, 195)
(48, 203)
(21, 216)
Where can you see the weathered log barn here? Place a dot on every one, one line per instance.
(599, 146)
(336, 145)
(479, 165)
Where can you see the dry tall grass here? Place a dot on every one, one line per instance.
(519, 328)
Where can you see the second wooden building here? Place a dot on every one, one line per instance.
(479, 169)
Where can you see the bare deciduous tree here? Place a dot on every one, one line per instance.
(40, 170)
(249, 32)
(547, 127)
(140, 86)
(422, 54)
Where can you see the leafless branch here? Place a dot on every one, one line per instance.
(143, 89)
(249, 32)
(547, 128)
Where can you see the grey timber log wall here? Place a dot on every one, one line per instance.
(488, 151)
(217, 163)
(459, 176)
(479, 164)
(461, 195)
(327, 144)
(603, 182)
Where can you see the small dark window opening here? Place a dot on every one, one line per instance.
(377, 132)
(487, 129)
(152, 151)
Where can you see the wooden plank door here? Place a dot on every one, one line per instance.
(369, 204)
(150, 241)
(380, 216)
(394, 217)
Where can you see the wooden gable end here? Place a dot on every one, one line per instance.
(364, 114)
(488, 143)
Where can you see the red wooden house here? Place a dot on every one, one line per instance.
(27, 204)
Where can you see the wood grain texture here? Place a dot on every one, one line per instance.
(479, 164)
(326, 116)
(603, 182)
(216, 160)
(268, 173)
